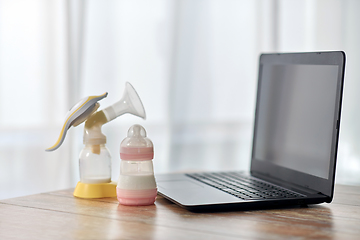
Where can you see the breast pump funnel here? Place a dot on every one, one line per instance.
(129, 103)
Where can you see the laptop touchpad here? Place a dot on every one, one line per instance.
(178, 184)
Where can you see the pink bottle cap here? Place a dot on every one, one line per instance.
(136, 146)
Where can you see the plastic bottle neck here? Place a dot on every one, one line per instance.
(92, 145)
(92, 130)
(93, 137)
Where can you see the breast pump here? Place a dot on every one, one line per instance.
(95, 159)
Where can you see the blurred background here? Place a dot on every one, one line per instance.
(194, 64)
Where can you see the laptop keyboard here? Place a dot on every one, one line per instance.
(243, 186)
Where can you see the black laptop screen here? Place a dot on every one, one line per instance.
(296, 108)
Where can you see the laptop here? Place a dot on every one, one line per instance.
(295, 140)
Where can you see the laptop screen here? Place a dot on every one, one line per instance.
(296, 116)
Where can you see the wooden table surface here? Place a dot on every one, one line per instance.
(59, 215)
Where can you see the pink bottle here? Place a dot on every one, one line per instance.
(136, 185)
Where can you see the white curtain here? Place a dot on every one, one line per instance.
(193, 63)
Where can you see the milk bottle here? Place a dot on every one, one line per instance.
(136, 185)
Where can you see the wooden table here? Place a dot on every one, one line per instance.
(59, 215)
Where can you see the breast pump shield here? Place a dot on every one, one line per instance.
(136, 185)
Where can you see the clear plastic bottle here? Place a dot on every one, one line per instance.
(136, 185)
(95, 168)
(95, 159)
